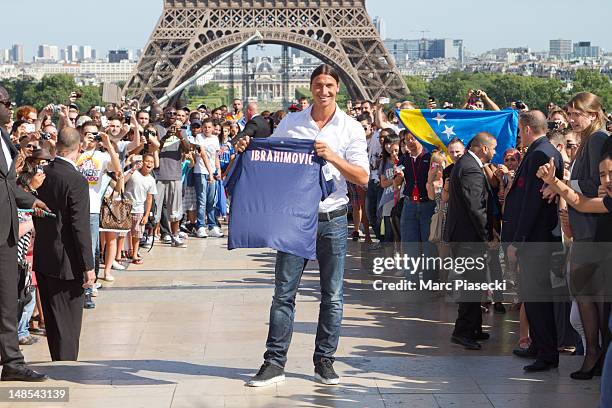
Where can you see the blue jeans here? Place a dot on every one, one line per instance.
(414, 227)
(606, 378)
(331, 253)
(94, 223)
(373, 196)
(23, 330)
(205, 194)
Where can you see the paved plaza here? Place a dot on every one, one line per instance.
(188, 328)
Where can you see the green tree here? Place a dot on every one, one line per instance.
(51, 89)
(588, 80)
(302, 93)
(419, 91)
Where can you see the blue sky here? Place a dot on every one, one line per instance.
(482, 24)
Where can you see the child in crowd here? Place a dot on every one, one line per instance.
(388, 168)
(140, 188)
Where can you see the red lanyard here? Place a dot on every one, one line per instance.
(416, 194)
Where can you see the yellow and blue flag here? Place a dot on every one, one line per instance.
(435, 128)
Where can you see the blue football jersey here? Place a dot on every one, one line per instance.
(276, 186)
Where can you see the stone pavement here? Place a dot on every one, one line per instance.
(188, 328)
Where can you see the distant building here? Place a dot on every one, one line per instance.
(403, 50)
(48, 53)
(560, 49)
(584, 49)
(5, 55)
(115, 56)
(72, 53)
(443, 48)
(381, 27)
(17, 55)
(85, 53)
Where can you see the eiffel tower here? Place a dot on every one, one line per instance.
(192, 33)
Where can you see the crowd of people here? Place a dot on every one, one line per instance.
(170, 163)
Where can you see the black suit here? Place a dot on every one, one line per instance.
(468, 231)
(529, 222)
(258, 127)
(11, 198)
(62, 253)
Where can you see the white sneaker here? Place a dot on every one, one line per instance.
(201, 232)
(117, 266)
(97, 285)
(183, 235)
(167, 239)
(215, 232)
(178, 242)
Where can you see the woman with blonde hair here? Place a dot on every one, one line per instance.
(588, 120)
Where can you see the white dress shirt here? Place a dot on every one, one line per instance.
(343, 134)
(7, 153)
(477, 159)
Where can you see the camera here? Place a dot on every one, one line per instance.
(553, 125)
(45, 136)
(520, 105)
(55, 109)
(147, 133)
(97, 137)
(128, 116)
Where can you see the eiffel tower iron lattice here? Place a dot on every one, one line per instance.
(192, 33)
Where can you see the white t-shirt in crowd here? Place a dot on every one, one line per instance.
(137, 188)
(93, 164)
(211, 147)
(374, 155)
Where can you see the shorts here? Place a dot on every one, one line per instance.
(137, 228)
(170, 194)
(190, 202)
(357, 194)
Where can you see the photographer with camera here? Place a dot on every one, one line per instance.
(173, 145)
(477, 99)
(98, 158)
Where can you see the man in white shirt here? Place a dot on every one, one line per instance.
(207, 170)
(340, 140)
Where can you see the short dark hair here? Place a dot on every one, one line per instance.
(208, 120)
(89, 123)
(456, 140)
(143, 111)
(535, 119)
(325, 69)
(363, 117)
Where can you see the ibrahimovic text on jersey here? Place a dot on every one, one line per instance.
(276, 186)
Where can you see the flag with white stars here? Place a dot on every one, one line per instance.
(435, 128)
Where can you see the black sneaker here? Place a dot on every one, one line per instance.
(268, 374)
(325, 374)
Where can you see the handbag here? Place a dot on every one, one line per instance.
(116, 214)
(435, 228)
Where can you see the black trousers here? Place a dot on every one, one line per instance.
(469, 313)
(62, 302)
(537, 295)
(10, 355)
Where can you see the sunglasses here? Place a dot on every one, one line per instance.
(170, 113)
(509, 159)
(7, 104)
(30, 146)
